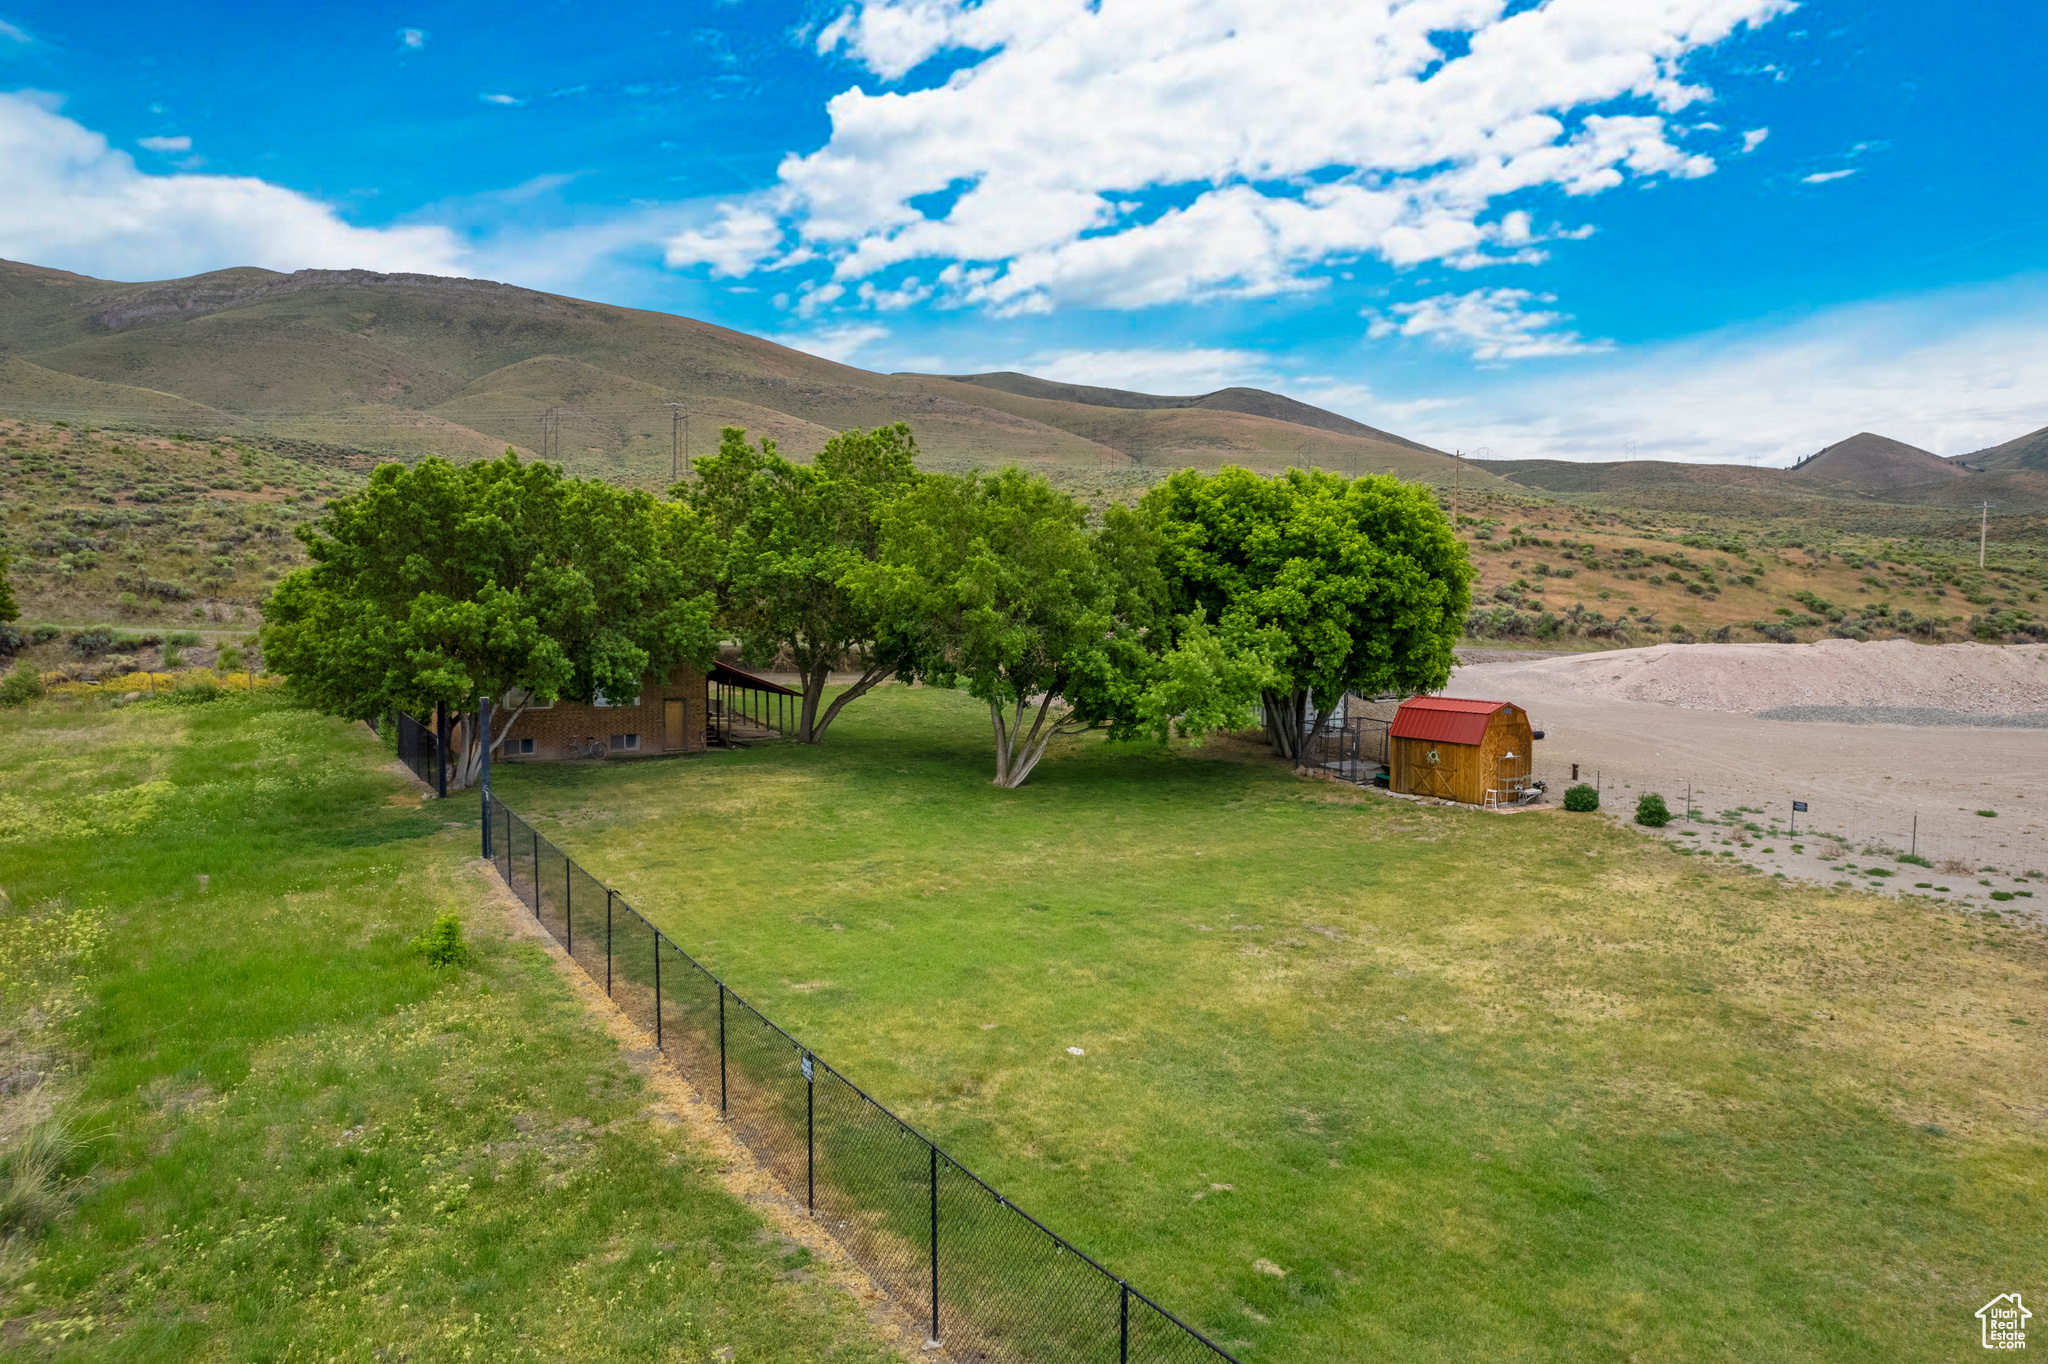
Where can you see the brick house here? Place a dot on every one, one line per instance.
(687, 712)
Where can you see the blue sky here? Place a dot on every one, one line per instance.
(1704, 229)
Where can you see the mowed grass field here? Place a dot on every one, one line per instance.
(301, 1141)
(1477, 1086)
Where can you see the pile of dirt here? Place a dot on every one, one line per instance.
(1966, 679)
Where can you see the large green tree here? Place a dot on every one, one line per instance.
(443, 584)
(793, 535)
(1362, 578)
(1000, 584)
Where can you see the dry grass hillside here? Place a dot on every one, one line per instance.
(415, 364)
(1561, 575)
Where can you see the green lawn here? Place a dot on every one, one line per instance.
(300, 1141)
(1523, 1087)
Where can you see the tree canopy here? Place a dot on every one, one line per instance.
(1001, 585)
(8, 610)
(793, 535)
(1362, 580)
(438, 584)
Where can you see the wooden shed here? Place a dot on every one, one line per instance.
(1473, 752)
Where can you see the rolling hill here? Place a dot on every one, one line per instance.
(2022, 452)
(1870, 463)
(410, 365)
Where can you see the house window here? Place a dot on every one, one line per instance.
(600, 699)
(625, 743)
(518, 747)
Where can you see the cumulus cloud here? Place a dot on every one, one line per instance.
(510, 100)
(1822, 177)
(1194, 369)
(731, 244)
(1950, 372)
(1136, 152)
(1754, 138)
(1490, 324)
(414, 38)
(164, 144)
(840, 343)
(76, 203)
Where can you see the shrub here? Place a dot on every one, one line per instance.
(195, 691)
(2001, 895)
(1652, 812)
(230, 659)
(91, 643)
(23, 684)
(174, 657)
(442, 944)
(188, 638)
(1582, 798)
(1988, 814)
(1916, 860)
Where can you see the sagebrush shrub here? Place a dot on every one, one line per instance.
(1582, 798)
(23, 684)
(1652, 812)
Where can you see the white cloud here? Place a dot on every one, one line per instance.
(1822, 177)
(1950, 372)
(1491, 324)
(835, 343)
(1175, 151)
(164, 144)
(731, 244)
(1173, 371)
(1753, 139)
(501, 99)
(76, 203)
(414, 38)
(13, 34)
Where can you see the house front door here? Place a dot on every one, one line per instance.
(672, 714)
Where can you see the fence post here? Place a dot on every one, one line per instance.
(934, 1341)
(607, 942)
(440, 743)
(810, 1138)
(536, 873)
(483, 729)
(657, 985)
(1123, 1329)
(568, 906)
(721, 1049)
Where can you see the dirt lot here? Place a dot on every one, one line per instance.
(1676, 715)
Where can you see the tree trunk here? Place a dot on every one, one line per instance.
(463, 774)
(1018, 750)
(868, 681)
(1284, 721)
(807, 727)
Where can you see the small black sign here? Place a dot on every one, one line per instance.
(1800, 806)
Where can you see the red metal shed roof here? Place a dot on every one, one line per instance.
(1443, 719)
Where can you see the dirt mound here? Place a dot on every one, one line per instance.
(1969, 679)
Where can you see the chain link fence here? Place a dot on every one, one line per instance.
(419, 748)
(988, 1281)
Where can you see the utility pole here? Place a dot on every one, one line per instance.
(1457, 473)
(1983, 533)
(675, 420)
(551, 425)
